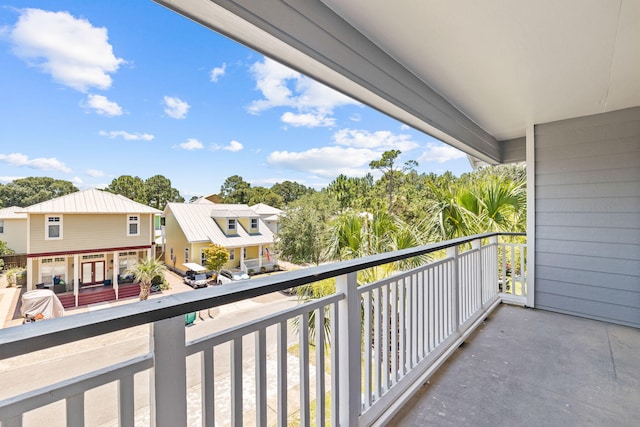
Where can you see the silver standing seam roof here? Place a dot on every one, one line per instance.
(91, 201)
(196, 222)
(13, 212)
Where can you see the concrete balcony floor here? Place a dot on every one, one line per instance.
(527, 367)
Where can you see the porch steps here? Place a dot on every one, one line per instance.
(99, 295)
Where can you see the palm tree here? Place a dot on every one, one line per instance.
(144, 273)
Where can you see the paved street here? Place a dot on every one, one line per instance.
(48, 366)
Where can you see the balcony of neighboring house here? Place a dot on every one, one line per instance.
(389, 352)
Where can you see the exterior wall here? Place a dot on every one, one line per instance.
(234, 263)
(513, 150)
(15, 234)
(246, 224)
(88, 231)
(222, 223)
(587, 186)
(176, 240)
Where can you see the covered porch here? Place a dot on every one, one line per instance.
(530, 367)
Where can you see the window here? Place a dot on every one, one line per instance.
(1, 226)
(53, 227)
(186, 254)
(203, 259)
(171, 255)
(126, 262)
(254, 223)
(231, 225)
(244, 253)
(53, 270)
(232, 254)
(133, 225)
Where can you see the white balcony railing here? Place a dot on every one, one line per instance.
(381, 342)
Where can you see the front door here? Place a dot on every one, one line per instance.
(92, 273)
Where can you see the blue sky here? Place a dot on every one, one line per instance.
(92, 90)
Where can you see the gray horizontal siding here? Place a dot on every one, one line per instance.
(513, 150)
(588, 216)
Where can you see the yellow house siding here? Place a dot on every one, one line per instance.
(222, 223)
(89, 231)
(176, 240)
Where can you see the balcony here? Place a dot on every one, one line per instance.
(386, 338)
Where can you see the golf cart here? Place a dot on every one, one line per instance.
(195, 276)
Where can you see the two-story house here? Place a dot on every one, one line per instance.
(192, 227)
(86, 239)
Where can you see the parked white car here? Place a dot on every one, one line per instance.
(228, 276)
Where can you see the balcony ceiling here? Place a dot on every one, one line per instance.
(470, 73)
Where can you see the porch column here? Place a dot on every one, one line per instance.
(76, 277)
(30, 278)
(116, 269)
(242, 258)
(531, 216)
(259, 257)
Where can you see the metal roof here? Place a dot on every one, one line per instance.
(263, 209)
(91, 201)
(13, 212)
(197, 224)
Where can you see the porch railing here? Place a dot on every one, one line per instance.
(256, 264)
(372, 347)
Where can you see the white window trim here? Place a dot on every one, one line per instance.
(235, 225)
(130, 221)
(232, 254)
(186, 255)
(46, 227)
(1, 226)
(257, 223)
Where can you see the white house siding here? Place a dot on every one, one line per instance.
(89, 231)
(588, 216)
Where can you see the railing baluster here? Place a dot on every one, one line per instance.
(335, 367)
(304, 370)
(207, 387)
(386, 339)
(282, 374)
(421, 315)
(126, 407)
(366, 362)
(75, 410)
(261, 377)
(320, 368)
(395, 353)
(377, 349)
(402, 298)
(236, 382)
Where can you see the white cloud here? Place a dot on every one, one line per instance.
(175, 107)
(94, 173)
(77, 181)
(9, 178)
(355, 117)
(127, 136)
(440, 153)
(327, 162)
(19, 159)
(381, 140)
(283, 87)
(191, 144)
(103, 106)
(218, 72)
(73, 51)
(233, 146)
(309, 120)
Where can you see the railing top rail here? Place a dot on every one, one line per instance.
(36, 336)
